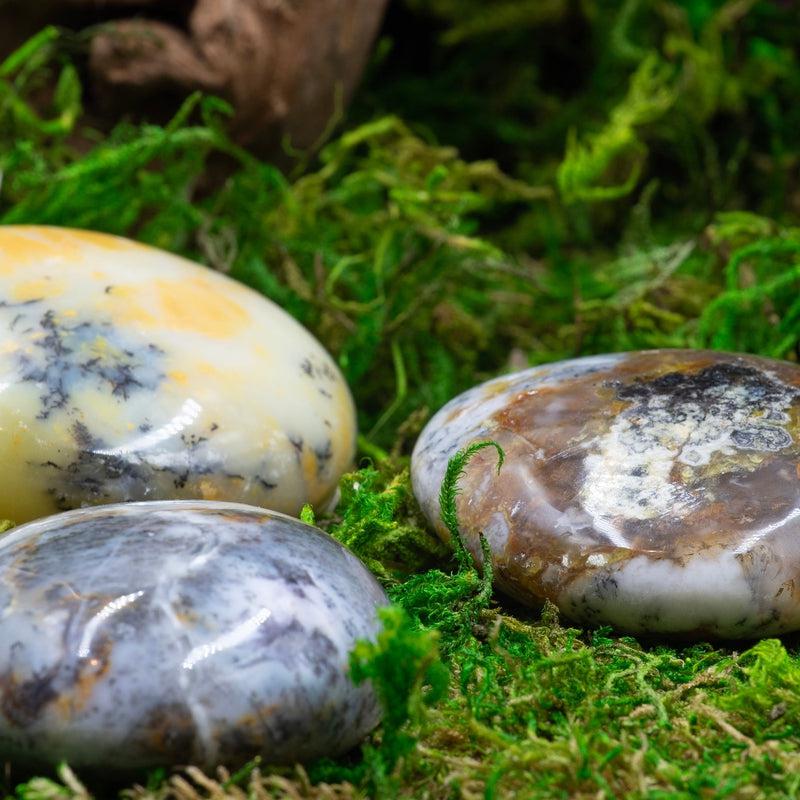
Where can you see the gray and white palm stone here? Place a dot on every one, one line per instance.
(179, 632)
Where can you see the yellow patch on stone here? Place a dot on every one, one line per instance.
(124, 305)
(97, 239)
(37, 288)
(197, 305)
(62, 239)
(22, 244)
(496, 388)
(178, 376)
(209, 370)
(209, 490)
(309, 465)
(23, 498)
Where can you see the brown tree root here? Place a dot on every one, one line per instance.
(286, 66)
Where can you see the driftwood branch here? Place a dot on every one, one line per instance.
(283, 64)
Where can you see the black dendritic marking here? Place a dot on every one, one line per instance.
(65, 355)
(751, 399)
(323, 455)
(315, 369)
(96, 475)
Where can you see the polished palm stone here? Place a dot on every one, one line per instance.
(656, 491)
(127, 373)
(180, 632)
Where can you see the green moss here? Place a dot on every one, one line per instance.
(377, 520)
(408, 676)
(645, 199)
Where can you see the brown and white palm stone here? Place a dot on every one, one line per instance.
(656, 491)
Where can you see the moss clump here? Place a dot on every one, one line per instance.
(644, 198)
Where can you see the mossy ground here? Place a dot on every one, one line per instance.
(515, 184)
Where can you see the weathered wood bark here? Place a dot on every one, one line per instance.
(283, 64)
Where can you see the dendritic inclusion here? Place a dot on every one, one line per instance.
(658, 491)
(127, 373)
(678, 425)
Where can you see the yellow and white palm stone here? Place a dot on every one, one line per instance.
(128, 373)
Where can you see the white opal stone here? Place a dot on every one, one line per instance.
(179, 632)
(127, 373)
(656, 491)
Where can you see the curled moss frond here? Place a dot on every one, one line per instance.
(456, 467)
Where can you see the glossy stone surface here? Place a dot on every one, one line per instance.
(127, 373)
(180, 632)
(656, 491)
